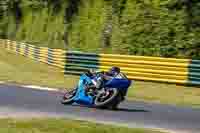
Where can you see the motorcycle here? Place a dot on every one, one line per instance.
(111, 94)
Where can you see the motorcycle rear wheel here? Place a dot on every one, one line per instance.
(99, 102)
(115, 103)
(68, 97)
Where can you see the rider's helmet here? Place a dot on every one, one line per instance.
(114, 71)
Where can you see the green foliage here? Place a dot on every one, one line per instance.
(168, 28)
(85, 33)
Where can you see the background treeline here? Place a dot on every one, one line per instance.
(168, 28)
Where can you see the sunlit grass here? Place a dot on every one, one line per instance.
(61, 126)
(165, 93)
(18, 69)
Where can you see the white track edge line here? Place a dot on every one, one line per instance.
(39, 87)
(2, 82)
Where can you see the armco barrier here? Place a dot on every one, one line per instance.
(184, 71)
(55, 57)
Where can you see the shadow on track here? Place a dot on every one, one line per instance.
(131, 110)
(116, 110)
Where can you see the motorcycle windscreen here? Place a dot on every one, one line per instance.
(118, 83)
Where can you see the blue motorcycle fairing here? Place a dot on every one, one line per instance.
(81, 97)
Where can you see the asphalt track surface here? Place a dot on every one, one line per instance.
(25, 102)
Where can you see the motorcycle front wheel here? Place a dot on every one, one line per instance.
(69, 96)
(103, 100)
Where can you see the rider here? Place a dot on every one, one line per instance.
(114, 72)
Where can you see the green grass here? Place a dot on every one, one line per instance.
(61, 126)
(165, 93)
(18, 69)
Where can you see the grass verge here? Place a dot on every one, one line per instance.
(61, 126)
(18, 69)
(165, 93)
